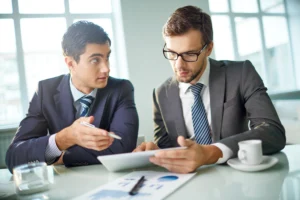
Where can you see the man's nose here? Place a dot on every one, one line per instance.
(105, 67)
(179, 62)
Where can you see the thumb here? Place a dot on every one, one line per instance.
(183, 142)
(89, 119)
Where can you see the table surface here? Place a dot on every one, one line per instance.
(282, 181)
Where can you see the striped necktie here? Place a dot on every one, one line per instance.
(86, 102)
(200, 122)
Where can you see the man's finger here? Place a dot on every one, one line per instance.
(182, 153)
(170, 161)
(151, 146)
(184, 142)
(97, 145)
(141, 147)
(88, 137)
(95, 131)
(89, 119)
(172, 167)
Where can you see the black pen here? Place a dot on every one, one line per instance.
(137, 186)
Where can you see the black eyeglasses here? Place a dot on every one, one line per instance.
(186, 56)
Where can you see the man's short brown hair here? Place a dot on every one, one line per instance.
(186, 18)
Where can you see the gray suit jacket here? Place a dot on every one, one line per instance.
(237, 96)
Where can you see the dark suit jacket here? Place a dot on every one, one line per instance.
(51, 110)
(237, 96)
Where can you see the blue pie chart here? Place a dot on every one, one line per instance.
(167, 178)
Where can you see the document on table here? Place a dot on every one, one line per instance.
(157, 186)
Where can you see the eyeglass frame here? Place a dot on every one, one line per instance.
(180, 54)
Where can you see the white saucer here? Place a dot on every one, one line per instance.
(268, 161)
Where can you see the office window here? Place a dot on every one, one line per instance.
(222, 37)
(42, 50)
(261, 35)
(249, 41)
(10, 102)
(41, 7)
(30, 46)
(272, 6)
(245, 6)
(5, 7)
(89, 6)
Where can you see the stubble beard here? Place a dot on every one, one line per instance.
(191, 78)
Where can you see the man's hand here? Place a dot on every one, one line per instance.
(187, 160)
(60, 161)
(91, 138)
(146, 146)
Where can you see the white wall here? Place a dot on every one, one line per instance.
(143, 21)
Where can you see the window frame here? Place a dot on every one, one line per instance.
(16, 16)
(259, 15)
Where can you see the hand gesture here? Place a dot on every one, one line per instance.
(189, 159)
(88, 137)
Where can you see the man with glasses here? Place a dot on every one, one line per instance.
(207, 105)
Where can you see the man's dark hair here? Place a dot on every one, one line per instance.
(79, 35)
(186, 18)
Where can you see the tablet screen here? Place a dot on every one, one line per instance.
(123, 161)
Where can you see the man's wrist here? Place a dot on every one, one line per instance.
(64, 139)
(213, 153)
(60, 160)
(227, 152)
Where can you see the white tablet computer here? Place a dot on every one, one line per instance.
(118, 162)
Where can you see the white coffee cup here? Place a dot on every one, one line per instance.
(250, 152)
(31, 178)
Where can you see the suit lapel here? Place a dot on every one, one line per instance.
(172, 94)
(217, 91)
(101, 107)
(64, 102)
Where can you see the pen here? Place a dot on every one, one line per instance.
(109, 133)
(192, 138)
(137, 186)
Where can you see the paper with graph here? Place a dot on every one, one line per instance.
(157, 186)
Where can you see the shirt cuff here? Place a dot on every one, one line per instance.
(52, 151)
(227, 152)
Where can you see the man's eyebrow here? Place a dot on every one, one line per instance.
(189, 51)
(98, 54)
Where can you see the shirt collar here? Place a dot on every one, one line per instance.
(77, 94)
(204, 79)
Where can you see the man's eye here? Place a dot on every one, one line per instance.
(189, 54)
(172, 54)
(95, 60)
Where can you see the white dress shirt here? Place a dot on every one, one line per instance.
(52, 151)
(187, 100)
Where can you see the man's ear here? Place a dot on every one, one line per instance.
(70, 62)
(209, 48)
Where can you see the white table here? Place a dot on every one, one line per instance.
(282, 181)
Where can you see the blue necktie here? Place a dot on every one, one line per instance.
(200, 122)
(86, 103)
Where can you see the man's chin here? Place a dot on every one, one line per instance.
(183, 79)
(101, 85)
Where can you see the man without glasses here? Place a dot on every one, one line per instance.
(52, 131)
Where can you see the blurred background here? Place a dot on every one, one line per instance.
(266, 32)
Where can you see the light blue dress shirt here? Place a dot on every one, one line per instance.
(52, 151)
